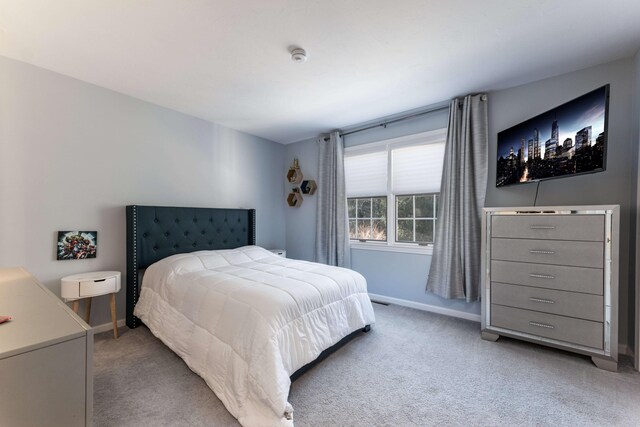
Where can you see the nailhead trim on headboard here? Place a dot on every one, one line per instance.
(155, 232)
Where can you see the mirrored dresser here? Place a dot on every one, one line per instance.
(550, 276)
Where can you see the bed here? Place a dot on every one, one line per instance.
(241, 317)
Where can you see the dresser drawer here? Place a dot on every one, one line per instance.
(575, 279)
(568, 329)
(572, 304)
(556, 252)
(553, 227)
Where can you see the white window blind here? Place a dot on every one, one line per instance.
(417, 169)
(366, 174)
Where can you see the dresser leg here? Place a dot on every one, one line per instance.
(87, 310)
(75, 306)
(489, 336)
(114, 319)
(605, 364)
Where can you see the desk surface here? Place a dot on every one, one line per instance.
(40, 318)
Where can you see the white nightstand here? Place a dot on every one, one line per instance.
(279, 252)
(89, 285)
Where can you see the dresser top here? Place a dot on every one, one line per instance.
(39, 317)
(552, 209)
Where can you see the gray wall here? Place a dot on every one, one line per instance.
(614, 186)
(403, 275)
(301, 221)
(72, 155)
(392, 274)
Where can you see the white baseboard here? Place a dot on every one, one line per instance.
(425, 307)
(107, 326)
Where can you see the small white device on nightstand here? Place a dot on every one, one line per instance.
(87, 285)
(279, 252)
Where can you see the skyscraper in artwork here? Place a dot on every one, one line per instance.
(583, 138)
(549, 150)
(552, 144)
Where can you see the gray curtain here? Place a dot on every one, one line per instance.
(455, 265)
(332, 228)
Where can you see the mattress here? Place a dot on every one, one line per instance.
(246, 319)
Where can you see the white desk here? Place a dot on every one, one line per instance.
(46, 357)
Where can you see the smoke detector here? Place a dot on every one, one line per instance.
(298, 55)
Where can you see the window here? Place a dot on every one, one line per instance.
(366, 182)
(392, 190)
(368, 218)
(416, 218)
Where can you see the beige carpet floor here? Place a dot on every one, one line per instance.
(413, 369)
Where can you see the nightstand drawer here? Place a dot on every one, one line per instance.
(568, 329)
(86, 285)
(98, 287)
(556, 252)
(552, 227)
(572, 304)
(561, 277)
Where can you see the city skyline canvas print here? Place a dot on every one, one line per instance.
(567, 140)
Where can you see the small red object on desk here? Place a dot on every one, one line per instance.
(5, 319)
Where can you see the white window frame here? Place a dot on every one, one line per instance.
(370, 218)
(430, 137)
(415, 218)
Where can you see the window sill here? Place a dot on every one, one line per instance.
(384, 247)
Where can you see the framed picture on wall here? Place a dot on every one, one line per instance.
(77, 244)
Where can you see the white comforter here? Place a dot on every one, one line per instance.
(246, 319)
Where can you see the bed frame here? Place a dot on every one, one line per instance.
(156, 232)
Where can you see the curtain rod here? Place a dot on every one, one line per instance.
(399, 119)
(388, 122)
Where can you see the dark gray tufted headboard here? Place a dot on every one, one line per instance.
(156, 232)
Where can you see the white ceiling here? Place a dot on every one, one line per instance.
(228, 62)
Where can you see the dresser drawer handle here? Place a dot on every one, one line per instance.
(542, 325)
(540, 251)
(545, 301)
(541, 276)
(542, 227)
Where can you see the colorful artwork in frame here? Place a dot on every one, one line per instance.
(77, 244)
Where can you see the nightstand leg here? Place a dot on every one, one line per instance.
(87, 310)
(113, 315)
(75, 306)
